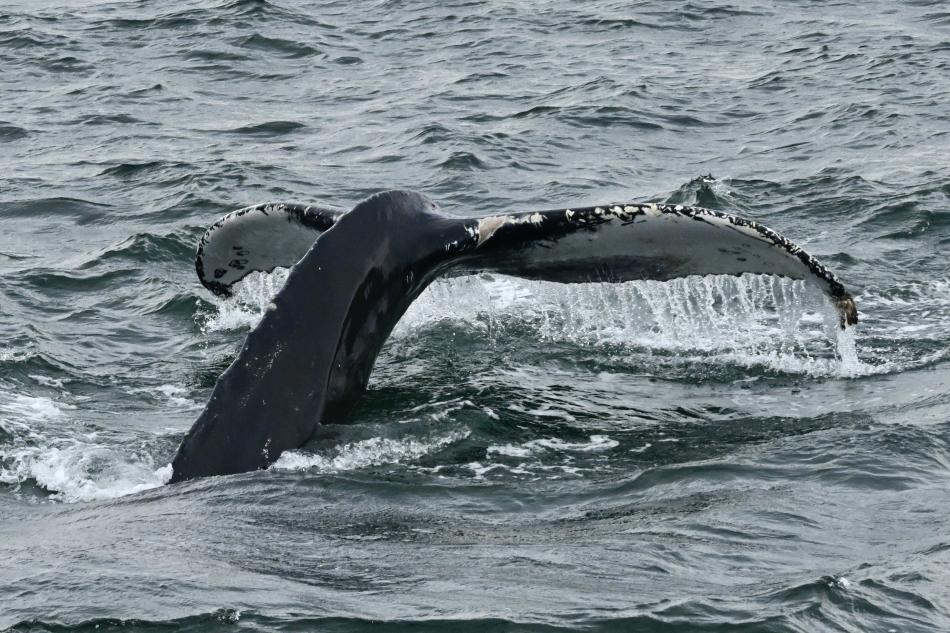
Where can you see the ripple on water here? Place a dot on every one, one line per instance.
(697, 455)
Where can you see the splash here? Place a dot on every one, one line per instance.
(752, 321)
(78, 471)
(545, 457)
(915, 310)
(850, 365)
(173, 395)
(247, 307)
(71, 466)
(596, 443)
(365, 453)
(81, 471)
(754, 313)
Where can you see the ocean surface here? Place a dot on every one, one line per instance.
(708, 454)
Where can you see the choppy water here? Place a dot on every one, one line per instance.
(703, 455)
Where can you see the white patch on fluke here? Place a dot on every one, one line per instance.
(488, 226)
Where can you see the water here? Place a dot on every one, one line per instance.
(702, 455)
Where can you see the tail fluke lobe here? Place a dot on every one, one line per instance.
(625, 242)
(259, 238)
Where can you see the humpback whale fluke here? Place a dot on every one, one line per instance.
(354, 275)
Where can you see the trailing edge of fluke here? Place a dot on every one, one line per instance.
(355, 273)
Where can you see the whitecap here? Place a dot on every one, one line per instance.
(596, 443)
(364, 453)
(78, 471)
(66, 460)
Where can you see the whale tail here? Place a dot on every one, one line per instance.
(354, 275)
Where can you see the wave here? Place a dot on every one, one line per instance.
(462, 161)
(202, 622)
(130, 169)
(267, 129)
(258, 11)
(835, 603)
(147, 247)
(708, 192)
(114, 266)
(110, 119)
(10, 132)
(78, 280)
(81, 211)
(69, 464)
(80, 472)
(29, 38)
(611, 116)
(365, 453)
(282, 47)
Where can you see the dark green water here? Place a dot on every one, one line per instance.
(703, 455)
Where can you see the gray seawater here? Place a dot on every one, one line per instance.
(703, 455)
